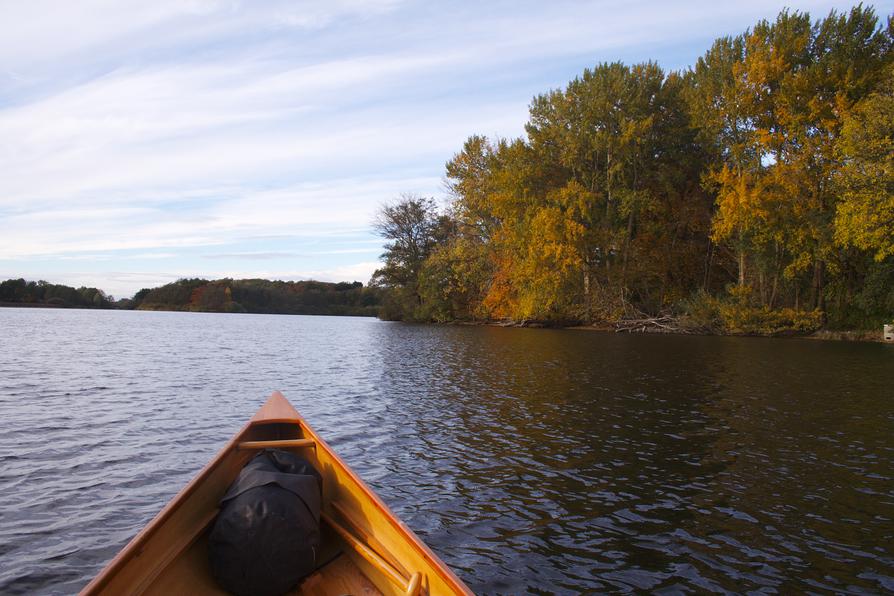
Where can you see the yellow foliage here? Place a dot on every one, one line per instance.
(739, 205)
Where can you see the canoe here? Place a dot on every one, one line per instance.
(365, 548)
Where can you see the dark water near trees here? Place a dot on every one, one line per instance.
(530, 460)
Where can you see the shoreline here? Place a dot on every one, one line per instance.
(848, 335)
(853, 335)
(44, 305)
(151, 308)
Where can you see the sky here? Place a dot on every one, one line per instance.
(142, 142)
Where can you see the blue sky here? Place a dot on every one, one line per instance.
(141, 142)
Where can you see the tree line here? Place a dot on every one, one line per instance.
(261, 296)
(202, 295)
(20, 291)
(752, 192)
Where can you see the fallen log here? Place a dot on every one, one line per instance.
(646, 324)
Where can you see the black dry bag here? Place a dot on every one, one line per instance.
(267, 534)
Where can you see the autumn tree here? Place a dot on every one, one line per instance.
(865, 216)
(759, 179)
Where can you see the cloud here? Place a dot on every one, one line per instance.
(251, 256)
(40, 31)
(274, 256)
(314, 209)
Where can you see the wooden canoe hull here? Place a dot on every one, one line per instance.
(366, 548)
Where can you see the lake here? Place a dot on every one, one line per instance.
(530, 460)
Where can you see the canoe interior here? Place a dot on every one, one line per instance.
(170, 555)
(336, 575)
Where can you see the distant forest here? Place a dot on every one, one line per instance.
(201, 295)
(41, 293)
(751, 193)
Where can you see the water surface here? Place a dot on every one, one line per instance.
(531, 461)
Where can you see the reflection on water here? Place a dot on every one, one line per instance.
(530, 460)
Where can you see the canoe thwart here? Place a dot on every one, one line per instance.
(281, 444)
(411, 586)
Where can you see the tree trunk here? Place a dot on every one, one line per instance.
(818, 295)
(709, 258)
(774, 290)
(775, 275)
(761, 286)
(608, 189)
(587, 286)
(741, 249)
(627, 247)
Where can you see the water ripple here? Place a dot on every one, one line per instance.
(532, 461)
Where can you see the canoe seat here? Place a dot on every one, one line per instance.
(280, 444)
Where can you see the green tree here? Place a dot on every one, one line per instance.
(412, 227)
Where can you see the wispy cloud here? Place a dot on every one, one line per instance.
(251, 256)
(273, 256)
(317, 209)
